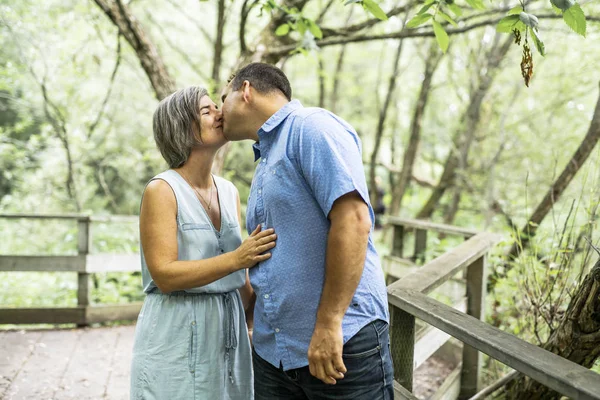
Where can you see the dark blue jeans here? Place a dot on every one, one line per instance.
(368, 361)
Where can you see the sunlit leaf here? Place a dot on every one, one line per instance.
(575, 18)
(441, 36)
(418, 20)
(374, 9)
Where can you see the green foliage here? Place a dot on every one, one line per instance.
(441, 36)
(372, 7)
(419, 19)
(575, 19)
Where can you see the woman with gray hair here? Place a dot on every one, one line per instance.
(191, 339)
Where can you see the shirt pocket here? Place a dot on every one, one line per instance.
(199, 241)
(190, 226)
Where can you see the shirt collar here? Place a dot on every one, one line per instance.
(272, 123)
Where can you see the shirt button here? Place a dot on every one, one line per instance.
(277, 330)
(266, 296)
(193, 322)
(264, 160)
(259, 191)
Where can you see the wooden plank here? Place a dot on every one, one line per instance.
(115, 218)
(398, 241)
(93, 218)
(43, 216)
(113, 263)
(117, 385)
(431, 339)
(117, 312)
(430, 226)
(402, 340)
(15, 350)
(420, 245)
(400, 393)
(438, 271)
(472, 359)
(564, 376)
(69, 315)
(87, 372)
(40, 377)
(42, 263)
(450, 389)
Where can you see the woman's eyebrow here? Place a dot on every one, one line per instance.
(202, 108)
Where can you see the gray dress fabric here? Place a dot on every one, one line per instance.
(193, 344)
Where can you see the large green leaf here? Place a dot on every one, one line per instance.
(314, 29)
(374, 9)
(538, 42)
(426, 7)
(529, 19)
(441, 36)
(455, 9)
(418, 20)
(447, 18)
(282, 30)
(476, 4)
(575, 18)
(507, 24)
(515, 10)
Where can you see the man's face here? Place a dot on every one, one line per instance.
(233, 109)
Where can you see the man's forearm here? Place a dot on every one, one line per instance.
(346, 252)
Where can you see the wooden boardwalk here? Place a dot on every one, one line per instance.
(83, 364)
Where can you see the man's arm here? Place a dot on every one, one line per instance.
(346, 252)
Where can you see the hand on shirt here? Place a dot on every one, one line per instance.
(325, 354)
(251, 250)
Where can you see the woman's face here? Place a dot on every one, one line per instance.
(211, 123)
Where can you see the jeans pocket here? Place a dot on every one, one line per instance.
(364, 344)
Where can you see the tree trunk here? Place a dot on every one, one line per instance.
(556, 190)
(579, 158)
(381, 125)
(431, 64)
(466, 132)
(218, 50)
(146, 51)
(577, 338)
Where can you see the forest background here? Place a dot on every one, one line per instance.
(436, 93)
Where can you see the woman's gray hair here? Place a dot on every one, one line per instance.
(173, 124)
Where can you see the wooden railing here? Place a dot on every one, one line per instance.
(409, 302)
(84, 264)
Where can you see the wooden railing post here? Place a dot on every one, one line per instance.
(472, 360)
(84, 247)
(420, 245)
(398, 241)
(402, 341)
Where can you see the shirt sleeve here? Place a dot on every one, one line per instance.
(329, 156)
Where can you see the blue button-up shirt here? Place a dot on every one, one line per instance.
(309, 157)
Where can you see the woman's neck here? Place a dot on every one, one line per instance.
(197, 169)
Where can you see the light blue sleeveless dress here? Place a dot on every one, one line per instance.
(194, 344)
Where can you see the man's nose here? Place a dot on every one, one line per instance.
(219, 115)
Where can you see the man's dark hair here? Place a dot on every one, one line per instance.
(265, 78)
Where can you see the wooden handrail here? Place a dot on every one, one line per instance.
(430, 226)
(438, 271)
(78, 217)
(558, 373)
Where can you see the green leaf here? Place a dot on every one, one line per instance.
(476, 4)
(418, 20)
(575, 18)
(314, 29)
(441, 36)
(507, 24)
(455, 9)
(447, 18)
(374, 9)
(301, 26)
(538, 42)
(282, 30)
(351, 1)
(424, 8)
(515, 10)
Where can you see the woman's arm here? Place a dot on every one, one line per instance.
(158, 235)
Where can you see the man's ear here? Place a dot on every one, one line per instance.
(246, 94)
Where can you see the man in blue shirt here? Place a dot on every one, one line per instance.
(320, 317)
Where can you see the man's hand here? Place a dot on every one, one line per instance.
(325, 353)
